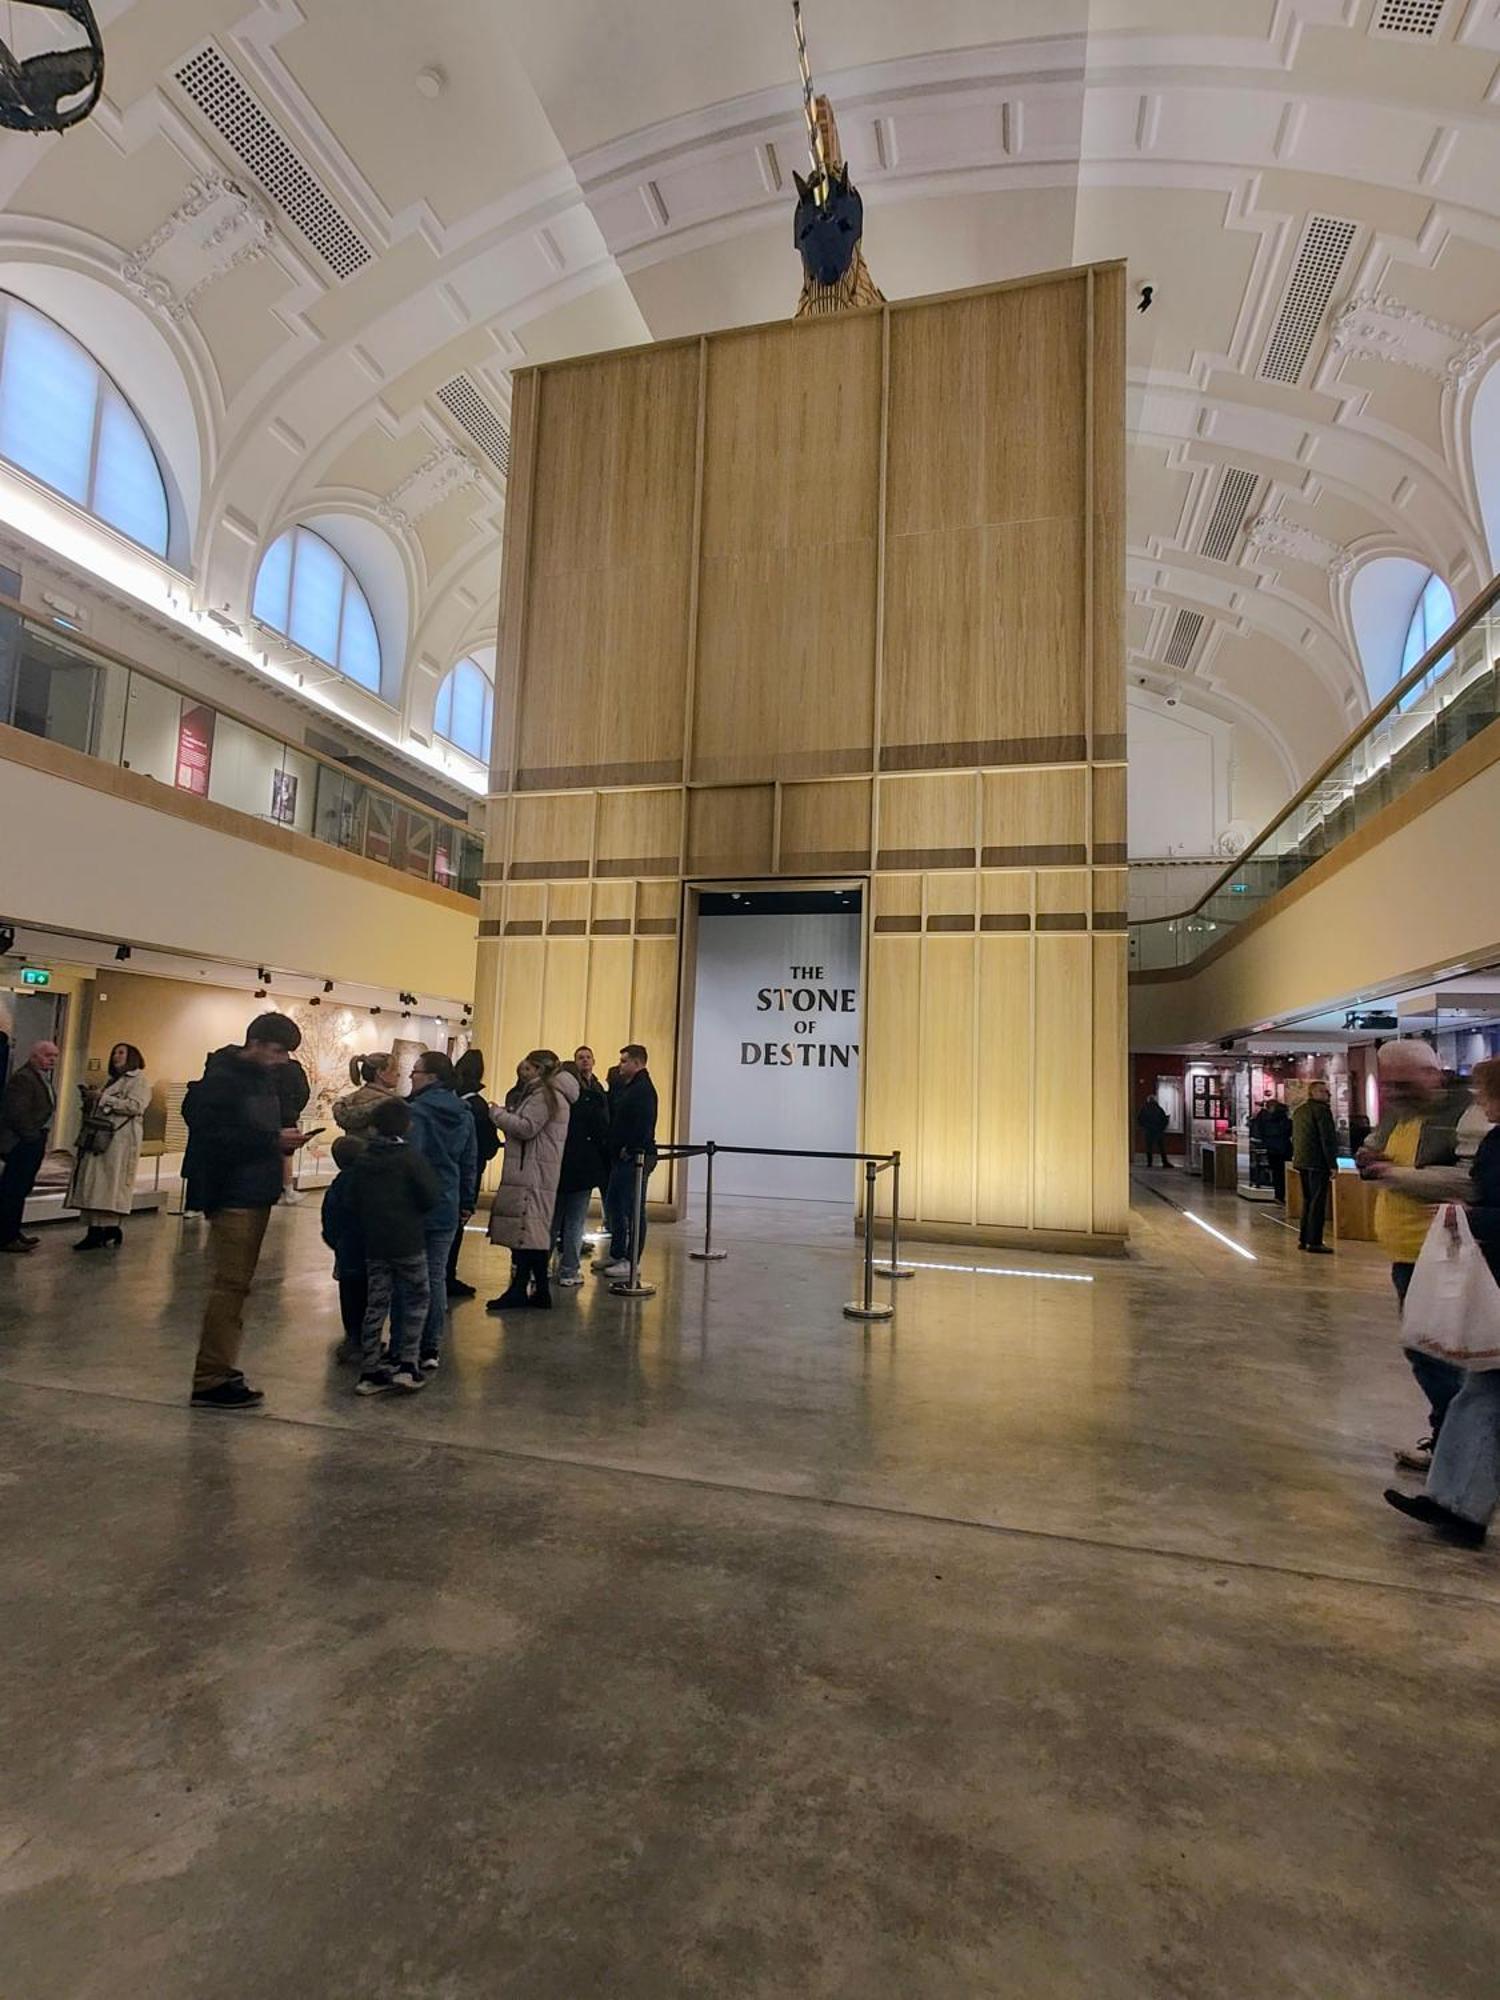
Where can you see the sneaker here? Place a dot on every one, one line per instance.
(619, 1269)
(571, 1284)
(409, 1377)
(235, 1395)
(290, 1198)
(600, 1265)
(459, 1290)
(1415, 1458)
(374, 1384)
(18, 1246)
(430, 1364)
(1452, 1527)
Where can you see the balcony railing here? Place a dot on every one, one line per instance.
(1449, 696)
(66, 689)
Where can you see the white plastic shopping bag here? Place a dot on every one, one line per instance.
(1453, 1306)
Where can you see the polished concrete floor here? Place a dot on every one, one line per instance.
(1051, 1640)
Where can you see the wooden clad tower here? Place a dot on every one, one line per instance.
(839, 598)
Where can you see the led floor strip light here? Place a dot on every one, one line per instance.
(1219, 1237)
(1000, 1271)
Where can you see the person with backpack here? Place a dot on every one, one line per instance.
(468, 1074)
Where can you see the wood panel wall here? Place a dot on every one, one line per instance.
(838, 599)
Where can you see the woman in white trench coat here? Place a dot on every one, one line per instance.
(109, 1148)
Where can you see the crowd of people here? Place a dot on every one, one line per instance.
(408, 1183)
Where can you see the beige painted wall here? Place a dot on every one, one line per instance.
(78, 859)
(1425, 898)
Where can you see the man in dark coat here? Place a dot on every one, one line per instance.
(1315, 1155)
(26, 1115)
(1271, 1129)
(239, 1142)
(585, 1166)
(1153, 1122)
(632, 1131)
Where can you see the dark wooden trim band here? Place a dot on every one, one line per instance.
(1057, 854)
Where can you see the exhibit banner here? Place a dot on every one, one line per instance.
(195, 750)
(776, 1049)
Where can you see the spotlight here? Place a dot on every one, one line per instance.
(122, 952)
(7, 939)
(327, 985)
(262, 975)
(260, 992)
(316, 1000)
(374, 1010)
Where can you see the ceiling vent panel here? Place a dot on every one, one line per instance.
(253, 136)
(468, 408)
(1320, 264)
(1417, 20)
(1231, 511)
(1184, 638)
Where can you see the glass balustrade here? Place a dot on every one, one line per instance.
(1451, 694)
(57, 687)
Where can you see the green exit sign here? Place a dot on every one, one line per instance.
(35, 975)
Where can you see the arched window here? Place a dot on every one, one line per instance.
(465, 712)
(306, 590)
(63, 420)
(1434, 614)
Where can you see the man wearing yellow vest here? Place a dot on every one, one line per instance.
(1416, 1134)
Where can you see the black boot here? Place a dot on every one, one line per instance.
(514, 1294)
(115, 1236)
(541, 1282)
(95, 1239)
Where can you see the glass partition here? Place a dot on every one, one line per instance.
(59, 688)
(1448, 698)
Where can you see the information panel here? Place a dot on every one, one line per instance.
(776, 1048)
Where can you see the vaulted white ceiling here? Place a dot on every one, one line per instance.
(313, 267)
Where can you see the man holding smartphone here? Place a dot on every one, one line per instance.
(239, 1143)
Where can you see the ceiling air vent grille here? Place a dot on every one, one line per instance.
(1410, 17)
(1184, 638)
(464, 403)
(1227, 522)
(1319, 265)
(254, 137)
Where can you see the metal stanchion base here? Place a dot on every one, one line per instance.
(894, 1271)
(857, 1310)
(708, 1256)
(628, 1291)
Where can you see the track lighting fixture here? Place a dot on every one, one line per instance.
(375, 1010)
(122, 952)
(7, 939)
(327, 985)
(316, 1000)
(260, 992)
(262, 975)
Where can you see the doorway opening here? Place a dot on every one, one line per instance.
(776, 1035)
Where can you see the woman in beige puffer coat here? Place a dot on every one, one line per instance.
(535, 1131)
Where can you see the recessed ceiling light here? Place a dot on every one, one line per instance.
(431, 83)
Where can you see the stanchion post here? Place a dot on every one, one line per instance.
(633, 1288)
(708, 1254)
(895, 1268)
(866, 1308)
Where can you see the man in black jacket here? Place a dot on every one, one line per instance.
(26, 1115)
(632, 1130)
(1315, 1154)
(239, 1142)
(1271, 1129)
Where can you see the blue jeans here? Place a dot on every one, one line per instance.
(437, 1243)
(569, 1220)
(619, 1211)
(1465, 1475)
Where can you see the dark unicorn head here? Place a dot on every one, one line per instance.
(59, 88)
(827, 233)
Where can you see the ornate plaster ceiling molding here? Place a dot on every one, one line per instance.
(1375, 324)
(443, 473)
(1273, 538)
(212, 231)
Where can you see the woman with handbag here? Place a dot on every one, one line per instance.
(109, 1149)
(536, 1131)
(1463, 1483)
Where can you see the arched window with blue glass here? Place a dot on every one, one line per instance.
(1434, 615)
(63, 421)
(465, 711)
(307, 591)
(1401, 608)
